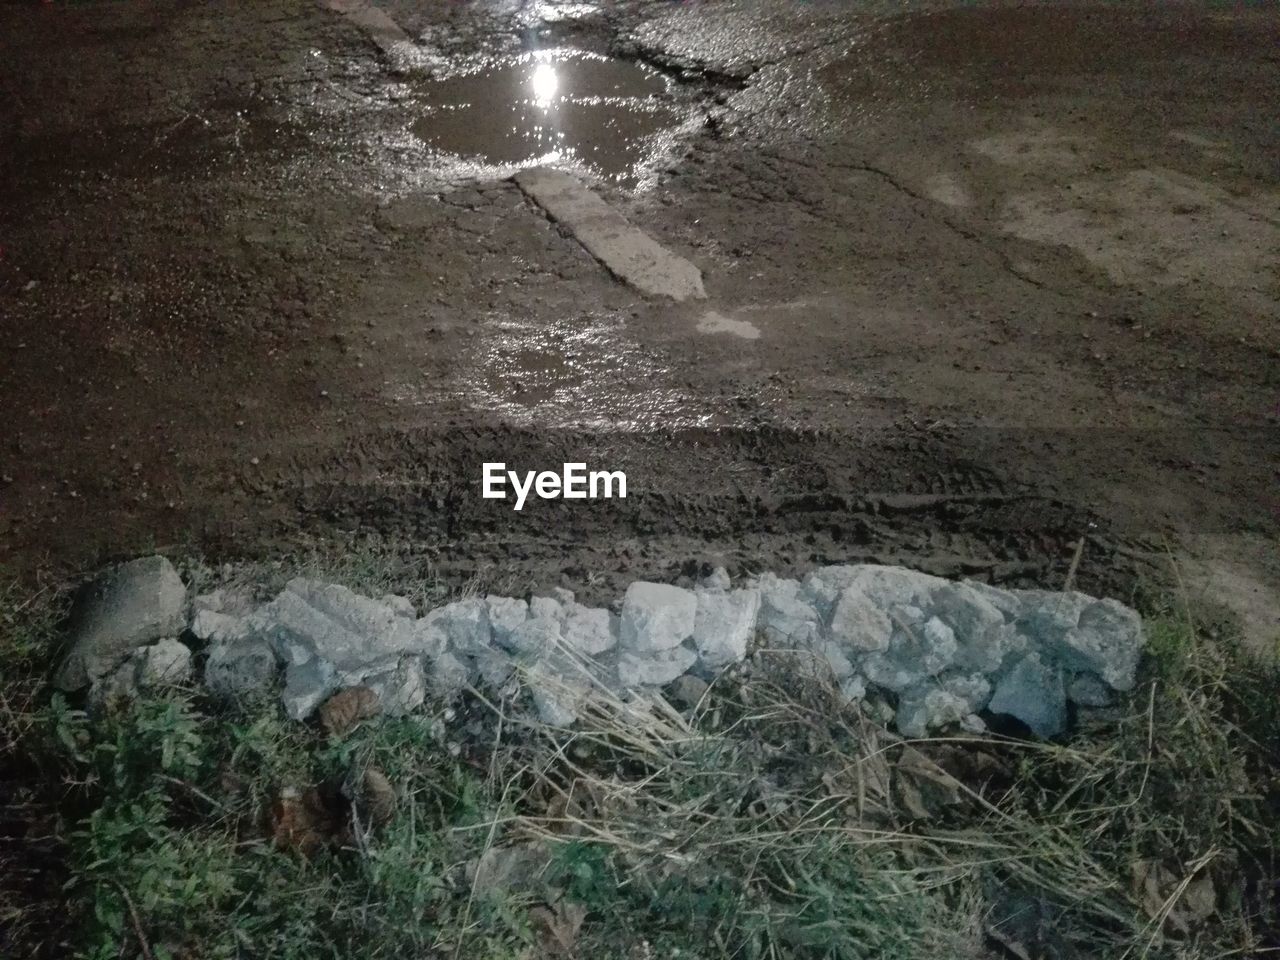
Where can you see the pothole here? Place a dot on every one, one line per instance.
(606, 116)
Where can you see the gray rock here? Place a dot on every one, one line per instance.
(590, 631)
(822, 587)
(214, 627)
(785, 617)
(401, 605)
(656, 617)
(853, 689)
(724, 624)
(565, 597)
(1106, 641)
(229, 601)
(688, 691)
(657, 670)
(447, 675)
(1089, 690)
(939, 702)
(465, 624)
(858, 624)
(313, 620)
(546, 608)
(238, 670)
(306, 686)
(164, 663)
(982, 635)
(494, 666)
(506, 614)
(400, 690)
(1033, 692)
(534, 637)
(122, 608)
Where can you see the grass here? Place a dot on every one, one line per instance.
(772, 823)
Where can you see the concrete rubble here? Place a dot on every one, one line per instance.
(944, 652)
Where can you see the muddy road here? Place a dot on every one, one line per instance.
(982, 282)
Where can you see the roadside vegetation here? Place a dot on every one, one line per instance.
(767, 821)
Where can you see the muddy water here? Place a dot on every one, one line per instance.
(566, 107)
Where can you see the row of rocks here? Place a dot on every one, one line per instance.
(944, 651)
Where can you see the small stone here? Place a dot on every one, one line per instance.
(546, 608)
(853, 689)
(656, 617)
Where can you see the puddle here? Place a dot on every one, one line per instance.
(585, 372)
(570, 107)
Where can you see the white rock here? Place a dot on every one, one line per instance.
(724, 624)
(494, 666)
(785, 617)
(447, 674)
(235, 670)
(464, 622)
(590, 631)
(822, 587)
(230, 601)
(858, 624)
(534, 637)
(506, 614)
(336, 625)
(402, 689)
(306, 686)
(546, 608)
(983, 636)
(164, 663)
(717, 579)
(214, 627)
(1107, 641)
(656, 670)
(401, 605)
(565, 597)
(656, 617)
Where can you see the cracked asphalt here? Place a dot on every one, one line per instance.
(1011, 271)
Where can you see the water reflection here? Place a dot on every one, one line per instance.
(608, 116)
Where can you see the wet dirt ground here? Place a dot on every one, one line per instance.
(982, 281)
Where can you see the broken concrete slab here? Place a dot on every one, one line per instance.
(123, 608)
(656, 617)
(724, 624)
(625, 251)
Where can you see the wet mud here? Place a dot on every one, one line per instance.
(974, 293)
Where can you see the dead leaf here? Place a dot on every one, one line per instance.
(343, 711)
(923, 787)
(560, 924)
(378, 797)
(1153, 886)
(306, 821)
